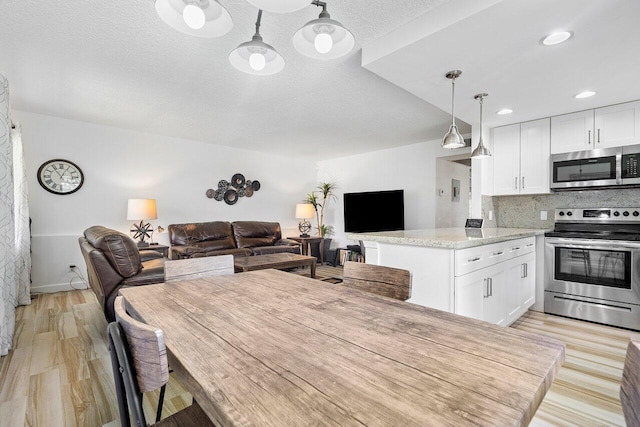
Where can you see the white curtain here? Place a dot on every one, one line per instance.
(15, 257)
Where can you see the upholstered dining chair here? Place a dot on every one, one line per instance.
(386, 281)
(630, 388)
(195, 268)
(139, 362)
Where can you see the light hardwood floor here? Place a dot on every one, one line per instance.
(59, 372)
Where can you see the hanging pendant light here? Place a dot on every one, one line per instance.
(481, 151)
(279, 6)
(453, 139)
(323, 38)
(255, 56)
(201, 18)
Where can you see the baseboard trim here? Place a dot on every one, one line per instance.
(55, 287)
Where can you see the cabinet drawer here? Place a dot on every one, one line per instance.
(472, 259)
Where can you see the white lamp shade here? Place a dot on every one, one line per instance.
(139, 209)
(304, 211)
(343, 40)
(218, 21)
(280, 6)
(239, 58)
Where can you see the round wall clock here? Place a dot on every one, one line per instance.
(60, 176)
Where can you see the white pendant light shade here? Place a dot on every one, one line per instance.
(256, 57)
(324, 38)
(280, 6)
(452, 139)
(203, 18)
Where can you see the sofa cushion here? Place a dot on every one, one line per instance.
(250, 234)
(179, 252)
(119, 249)
(215, 235)
(266, 250)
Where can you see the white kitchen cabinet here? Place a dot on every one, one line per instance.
(521, 158)
(612, 126)
(498, 292)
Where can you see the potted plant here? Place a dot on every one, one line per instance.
(319, 199)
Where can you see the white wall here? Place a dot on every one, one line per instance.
(448, 212)
(119, 164)
(411, 168)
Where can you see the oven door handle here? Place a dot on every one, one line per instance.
(607, 245)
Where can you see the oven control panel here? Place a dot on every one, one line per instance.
(598, 215)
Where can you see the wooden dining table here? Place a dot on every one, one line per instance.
(271, 348)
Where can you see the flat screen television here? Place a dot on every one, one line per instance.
(374, 211)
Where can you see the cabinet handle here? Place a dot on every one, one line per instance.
(515, 183)
(498, 253)
(517, 248)
(523, 182)
(530, 244)
(473, 259)
(524, 270)
(490, 286)
(589, 138)
(485, 291)
(598, 136)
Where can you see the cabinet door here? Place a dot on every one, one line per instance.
(572, 132)
(470, 293)
(506, 159)
(617, 125)
(528, 281)
(514, 273)
(534, 156)
(494, 309)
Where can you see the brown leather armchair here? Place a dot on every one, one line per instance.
(114, 261)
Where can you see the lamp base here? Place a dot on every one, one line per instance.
(143, 244)
(304, 227)
(304, 235)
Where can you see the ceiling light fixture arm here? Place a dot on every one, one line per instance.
(453, 75)
(323, 5)
(257, 34)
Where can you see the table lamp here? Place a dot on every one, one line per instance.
(304, 211)
(141, 210)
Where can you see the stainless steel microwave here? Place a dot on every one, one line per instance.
(602, 168)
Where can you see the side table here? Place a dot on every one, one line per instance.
(306, 242)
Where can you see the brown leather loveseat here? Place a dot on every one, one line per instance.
(239, 238)
(113, 261)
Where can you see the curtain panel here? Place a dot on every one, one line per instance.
(15, 258)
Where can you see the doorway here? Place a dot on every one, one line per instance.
(453, 190)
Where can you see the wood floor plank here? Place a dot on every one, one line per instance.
(45, 352)
(13, 412)
(15, 373)
(80, 407)
(45, 407)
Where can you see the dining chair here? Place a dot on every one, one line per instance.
(386, 281)
(139, 362)
(195, 268)
(630, 388)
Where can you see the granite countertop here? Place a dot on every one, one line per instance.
(448, 238)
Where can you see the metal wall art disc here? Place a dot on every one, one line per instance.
(248, 191)
(223, 184)
(241, 192)
(230, 197)
(255, 185)
(237, 180)
(248, 183)
(219, 195)
(210, 193)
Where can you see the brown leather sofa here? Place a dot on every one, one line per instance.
(114, 261)
(239, 238)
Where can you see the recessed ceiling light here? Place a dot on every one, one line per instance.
(556, 38)
(504, 112)
(585, 94)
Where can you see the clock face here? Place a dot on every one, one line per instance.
(60, 176)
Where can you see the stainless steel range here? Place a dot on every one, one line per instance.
(592, 263)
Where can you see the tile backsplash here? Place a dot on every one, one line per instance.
(524, 211)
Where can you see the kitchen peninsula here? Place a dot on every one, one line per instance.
(487, 274)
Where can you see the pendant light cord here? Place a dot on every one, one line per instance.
(481, 99)
(453, 95)
(258, 22)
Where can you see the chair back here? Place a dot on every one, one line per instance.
(386, 281)
(139, 362)
(630, 388)
(195, 268)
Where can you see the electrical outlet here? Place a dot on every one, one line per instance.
(543, 215)
(72, 267)
(490, 215)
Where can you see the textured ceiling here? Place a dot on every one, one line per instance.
(499, 52)
(116, 63)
